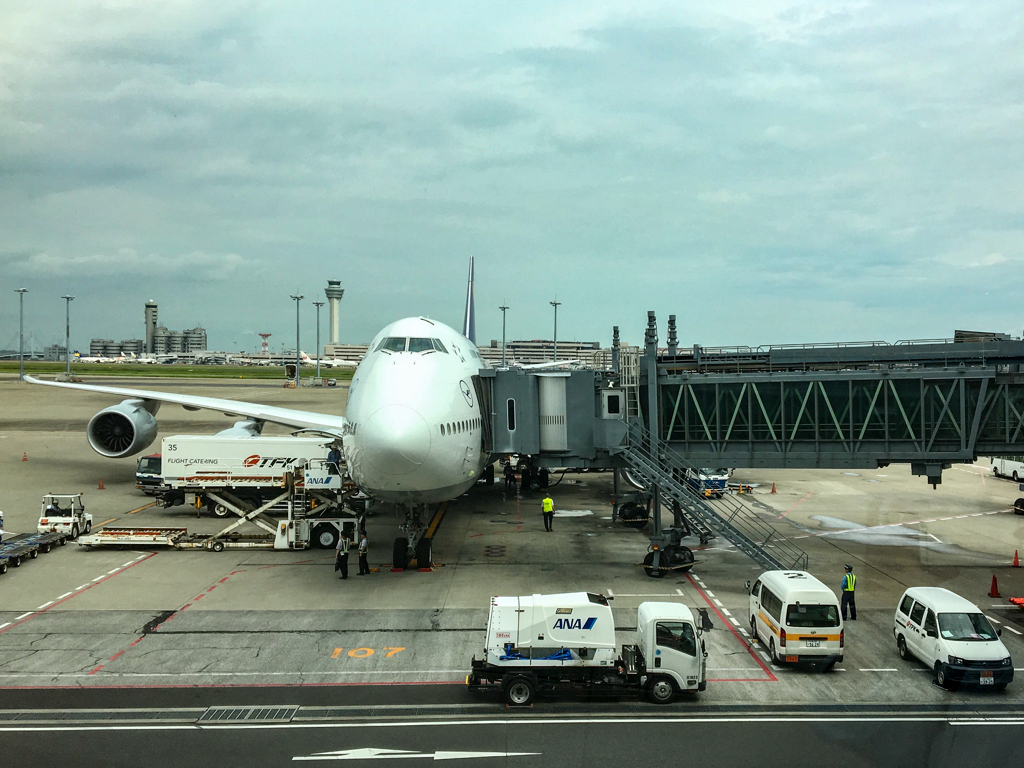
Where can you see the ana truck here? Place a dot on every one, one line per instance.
(558, 644)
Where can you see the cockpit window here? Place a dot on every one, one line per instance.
(393, 344)
(420, 345)
(438, 345)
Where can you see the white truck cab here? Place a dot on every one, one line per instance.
(797, 618)
(64, 513)
(953, 637)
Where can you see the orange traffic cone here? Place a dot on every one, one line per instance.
(994, 592)
(100, 487)
(773, 487)
(1016, 559)
(24, 456)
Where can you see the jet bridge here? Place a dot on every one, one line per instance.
(661, 411)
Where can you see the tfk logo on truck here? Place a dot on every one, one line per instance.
(575, 623)
(265, 461)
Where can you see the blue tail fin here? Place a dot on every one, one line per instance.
(469, 321)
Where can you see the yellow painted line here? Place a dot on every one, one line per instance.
(147, 506)
(436, 521)
(106, 521)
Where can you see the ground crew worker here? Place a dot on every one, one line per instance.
(848, 587)
(364, 565)
(333, 460)
(341, 561)
(547, 508)
(510, 477)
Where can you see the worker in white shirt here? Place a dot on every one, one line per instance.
(364, 565)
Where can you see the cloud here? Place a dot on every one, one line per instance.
(127, 262)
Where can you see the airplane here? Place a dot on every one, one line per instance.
(412, 434)
(329, 362)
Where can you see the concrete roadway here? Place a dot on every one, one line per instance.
(523, 741)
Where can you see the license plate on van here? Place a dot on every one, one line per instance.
(986, 677)
(813, 643)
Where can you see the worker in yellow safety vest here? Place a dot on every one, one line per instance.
(547, 507)
(848, 587)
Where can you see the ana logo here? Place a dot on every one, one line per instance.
(251, 461)
(575, 623)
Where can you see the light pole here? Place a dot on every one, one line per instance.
(318, 304)
(503, 335)
(298, 354)
(67, 331)
(21, 331)
(556, 304)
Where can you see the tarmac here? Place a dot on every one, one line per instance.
(144, 623)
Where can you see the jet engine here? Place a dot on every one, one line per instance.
(246, 428)
(123, 429)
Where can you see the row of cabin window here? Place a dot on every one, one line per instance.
(459, 426)
(405, 344)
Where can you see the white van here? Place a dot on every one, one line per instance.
(952, 636)
(797, 617)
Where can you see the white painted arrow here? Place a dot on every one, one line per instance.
(372, 753)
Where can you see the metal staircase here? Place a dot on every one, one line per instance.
(727, 517)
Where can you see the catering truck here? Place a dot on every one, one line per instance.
(557, 644)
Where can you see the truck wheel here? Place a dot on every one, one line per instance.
(3, 568)
(519, 691)
(325, 536)
(16, 562)
(423, 553)
(649, 569)
(771, 652)
(33, 554)
(217, 546)
(634, 515)
(45, 547)
(62, 541)
(661, 690)
(400, 556)
(74, 531)
(219, 510)
(942, 679)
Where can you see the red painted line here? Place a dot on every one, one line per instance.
(806, 496)
(186, 605)
(77, 593)
(771, 678)
(224, 579)
(116, 656)
(138, 640)
(195, 599)
(97, 669)
(739, 680)
(212, 588)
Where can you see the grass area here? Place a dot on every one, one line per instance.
(85, 370)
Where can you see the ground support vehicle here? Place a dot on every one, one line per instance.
(27, 546)
(797, 618)
(952, 637)
(147, 475)
(709, 483)
(64, 513)
(565, 644)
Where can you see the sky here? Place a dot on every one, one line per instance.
(770, 171)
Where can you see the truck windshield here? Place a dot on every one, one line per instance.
(812, 616)
(677, 635)
(149, 464)
(965, 627)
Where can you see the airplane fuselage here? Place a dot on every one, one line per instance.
(414, 426)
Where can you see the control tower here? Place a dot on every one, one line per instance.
(150, 326)
(334, 293)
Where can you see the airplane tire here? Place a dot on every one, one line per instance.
(400, 557)
(423, 553)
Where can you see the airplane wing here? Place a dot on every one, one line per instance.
(287, 417)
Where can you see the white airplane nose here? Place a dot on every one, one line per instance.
(396, 439)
